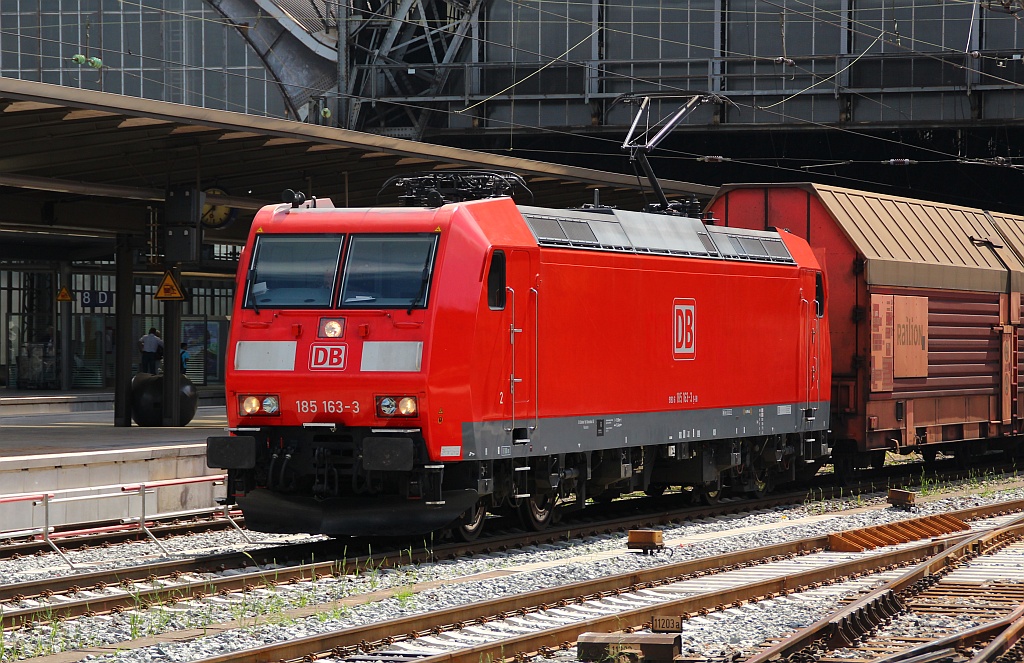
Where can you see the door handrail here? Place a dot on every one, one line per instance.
(536, 360)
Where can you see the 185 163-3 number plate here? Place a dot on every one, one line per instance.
(331, 406)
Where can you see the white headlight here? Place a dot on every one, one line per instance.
(271, 405)
(407, 406)
(388, 406)
(332, 329)
(250, 405)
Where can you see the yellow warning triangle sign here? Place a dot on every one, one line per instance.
(64, 295)
(169, 290)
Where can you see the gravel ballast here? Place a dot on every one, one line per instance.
(262, 617)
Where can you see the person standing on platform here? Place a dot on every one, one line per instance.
(184, 358)
(150, 345)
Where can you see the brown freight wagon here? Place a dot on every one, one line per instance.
(924, 306)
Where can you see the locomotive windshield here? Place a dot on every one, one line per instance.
(390, 271)
(293, 271)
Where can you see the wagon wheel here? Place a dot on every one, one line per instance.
(845, 470)
(471, 523)
(536, 511)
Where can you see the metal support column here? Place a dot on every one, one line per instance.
(62, 341)
(343, 73)
(124, 346)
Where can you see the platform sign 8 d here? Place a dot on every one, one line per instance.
(684, 329)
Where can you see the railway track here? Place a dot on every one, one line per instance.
(546, 620)
(173, 581)
(966, 603)
(550, 619)
(105, 534)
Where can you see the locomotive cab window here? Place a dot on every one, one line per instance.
(293, 271)
(388, 271)
(819, 294)
(496, 282)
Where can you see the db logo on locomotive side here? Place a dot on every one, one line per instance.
(327, 357)
(684, 331)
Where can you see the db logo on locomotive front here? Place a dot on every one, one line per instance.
(327, 357)
(684, 331)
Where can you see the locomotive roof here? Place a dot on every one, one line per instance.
(918, 243)
(609, 229)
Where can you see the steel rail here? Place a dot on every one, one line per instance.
(1006, 639)
(110, 532)
(202, 564)
(970, 637)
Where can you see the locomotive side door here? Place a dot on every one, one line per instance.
(522, 339)
(813, 310)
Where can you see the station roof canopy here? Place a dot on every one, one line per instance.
(78, 164)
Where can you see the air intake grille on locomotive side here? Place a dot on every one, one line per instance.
(578, 232)
(634, 232)
(547, 230)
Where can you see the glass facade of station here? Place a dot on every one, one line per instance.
(178, 51)
(30, 354)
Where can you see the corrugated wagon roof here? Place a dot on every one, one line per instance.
(922, 244)
(1011, 230)
(917, 243)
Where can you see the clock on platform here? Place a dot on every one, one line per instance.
(217, 216)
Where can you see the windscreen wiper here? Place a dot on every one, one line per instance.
(249, 290)
(423, 287)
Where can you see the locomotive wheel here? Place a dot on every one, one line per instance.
(710, 496)
(655, 489)
(536, 511)
(470, 528)
(761, 486)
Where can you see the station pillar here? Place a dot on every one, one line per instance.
(63, 340)
(124, 347)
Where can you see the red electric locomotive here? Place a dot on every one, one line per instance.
(404, 370)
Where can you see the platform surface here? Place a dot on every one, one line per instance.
(77, 432)
(67, 445)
